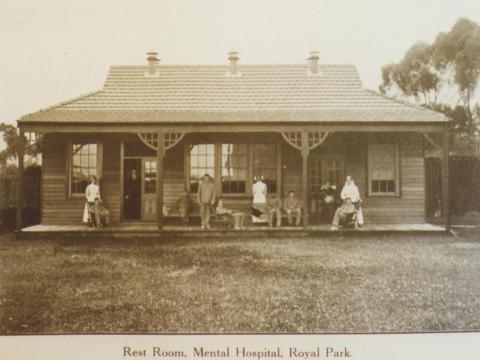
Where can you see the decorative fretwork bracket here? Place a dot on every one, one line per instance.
(305, 141)
(432, 141)
(151, 139)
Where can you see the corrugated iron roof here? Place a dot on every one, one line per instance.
(206, 93)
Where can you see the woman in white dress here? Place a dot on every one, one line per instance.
(259, 192)
(92, 192)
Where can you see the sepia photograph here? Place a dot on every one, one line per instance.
(239, 167)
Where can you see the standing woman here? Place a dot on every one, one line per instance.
(350, 191)
(91, 193)
(259, 192)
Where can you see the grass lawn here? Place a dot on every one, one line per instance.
(377, 284)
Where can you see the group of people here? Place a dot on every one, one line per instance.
(265, 207)
(350, 202)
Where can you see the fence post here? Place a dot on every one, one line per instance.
(19, 190)
(445, 179)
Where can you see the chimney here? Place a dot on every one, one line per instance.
(313, 59)
(153, 60)
(233, 58)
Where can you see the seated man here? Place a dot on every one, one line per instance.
(347, 208)
(238, 216)
(274, 208)
(100, 215)
(293, 207)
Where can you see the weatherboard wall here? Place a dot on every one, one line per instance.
(59, 207)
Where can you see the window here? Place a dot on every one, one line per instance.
(202, 161)
(234, 168)
(315, 181)
(383, 169)
(84, 163)
(150, 176)
(265, 163)
(323, 169)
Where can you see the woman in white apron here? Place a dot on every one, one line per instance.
(259, 192)
(91, 193)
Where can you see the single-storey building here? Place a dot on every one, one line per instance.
(297, 125)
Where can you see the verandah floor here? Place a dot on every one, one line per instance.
(150, 229)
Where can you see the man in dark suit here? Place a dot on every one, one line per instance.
(132, 196)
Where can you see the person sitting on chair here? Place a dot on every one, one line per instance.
(100, 214)
(238, 216)
(293, 207)
(184, 205)
(346, 209)
(274, 209)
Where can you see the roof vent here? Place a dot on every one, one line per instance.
(313, 59)
(233, 58)
(153, 60)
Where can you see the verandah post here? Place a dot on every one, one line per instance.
(159, 178)
(19, 190)
(305, 153)
(445, 178)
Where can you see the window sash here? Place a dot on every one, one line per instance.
(84, 160)
(267, 166)
(242, 158)
(202, 161)
(383, 169)
(234, 167)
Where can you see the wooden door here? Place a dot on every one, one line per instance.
(149, 189)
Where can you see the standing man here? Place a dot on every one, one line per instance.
(293, 207)
(132, 196)
(206, 199)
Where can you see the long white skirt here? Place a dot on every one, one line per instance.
(86, 216)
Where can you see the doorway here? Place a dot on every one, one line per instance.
(149, 189)
(323, 169)
(140, 189)
(132, 183)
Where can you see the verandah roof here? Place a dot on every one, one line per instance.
(207, 94)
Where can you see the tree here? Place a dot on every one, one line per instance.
(16, 145)
(458, 51)
(449, 67)
(415, 75)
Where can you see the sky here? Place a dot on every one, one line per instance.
(54, 50)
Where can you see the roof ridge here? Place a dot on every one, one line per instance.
(83, 96)
(402, 102)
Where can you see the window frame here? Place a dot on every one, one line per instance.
(246, 168)
(69, 153)
(217, 180)
(188, 164)
(396, 169)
